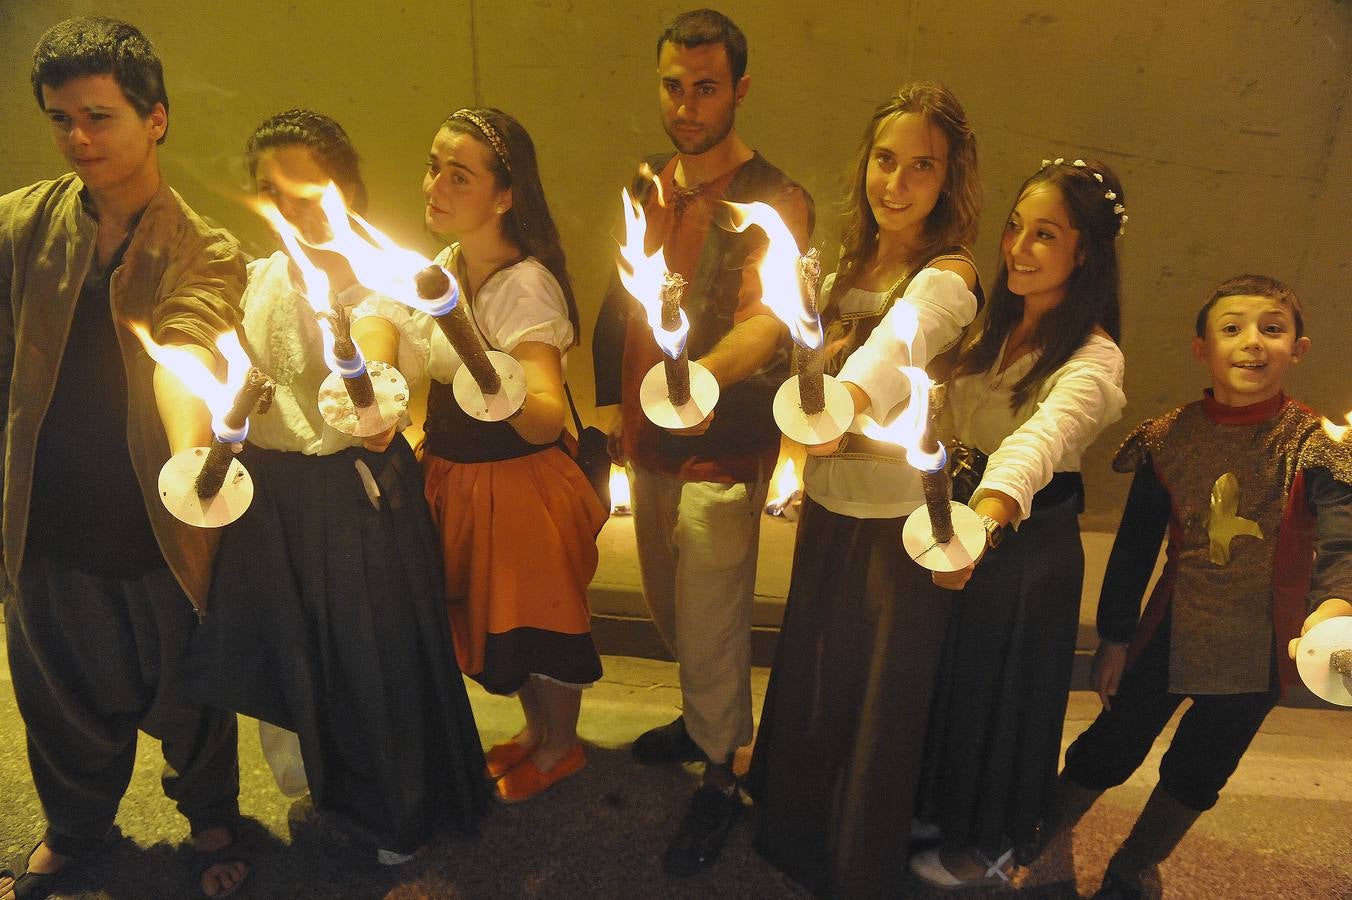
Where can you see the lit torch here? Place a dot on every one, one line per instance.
(209, 487)
(357, 398)
(942, 536)
(491, 385)
(679, 393)
(811, 407)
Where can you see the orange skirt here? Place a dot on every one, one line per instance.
(518, 539)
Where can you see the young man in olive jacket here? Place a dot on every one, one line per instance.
(104, 579)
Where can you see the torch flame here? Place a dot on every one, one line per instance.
(643, 275)
(646, 171)
(908, 428)
(619, 491)
(218, 395)
(786, 480)
(316, 282)
(376, 260)
(1338, 432)
(781, 288)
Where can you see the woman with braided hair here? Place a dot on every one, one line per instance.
(326, 616)
(1039, 381)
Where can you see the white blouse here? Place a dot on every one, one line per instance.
(284, 341)
(871, 488)
(523, 302)
(1048, 433)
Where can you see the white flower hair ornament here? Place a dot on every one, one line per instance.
(1110, 195)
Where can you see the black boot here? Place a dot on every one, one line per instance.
(666, 744)
(1070, 801)
(708, 819)
(1115, 887)
(1156, 833)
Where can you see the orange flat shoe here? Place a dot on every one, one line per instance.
(526, 780)
(503, 758)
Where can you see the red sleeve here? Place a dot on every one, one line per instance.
(1291, 567)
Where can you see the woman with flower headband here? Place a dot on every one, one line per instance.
(517, 517)
(1031, 391)
(841, 737)
(327, 615)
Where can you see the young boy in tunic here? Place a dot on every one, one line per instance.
(1257, 501)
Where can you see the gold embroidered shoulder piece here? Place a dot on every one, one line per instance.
(1145, 439)
(1320, 450)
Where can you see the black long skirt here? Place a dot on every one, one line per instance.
(841, 739)
(1000, 704)
(326, 618)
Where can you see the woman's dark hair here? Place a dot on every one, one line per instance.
(323, 137)
(528, 223)
(97, 45)
(1093, 290)
(953, 221)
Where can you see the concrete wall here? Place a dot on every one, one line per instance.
(1226, 121)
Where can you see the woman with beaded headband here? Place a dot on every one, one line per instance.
(1037, 384)
(838, 755)
(327, 616)
(517, 518)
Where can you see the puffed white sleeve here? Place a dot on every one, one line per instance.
(932, 313)
(528, 305)
(414, 326)
(1085, 396)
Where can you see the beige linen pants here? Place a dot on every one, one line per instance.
(697, 546)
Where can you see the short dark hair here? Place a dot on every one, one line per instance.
(708, 26)
(97, 45)
(323, 137)
(1253, 286)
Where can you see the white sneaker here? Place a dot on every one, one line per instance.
(392, 857)
(929, 867)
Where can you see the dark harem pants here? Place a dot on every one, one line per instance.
(94, 660)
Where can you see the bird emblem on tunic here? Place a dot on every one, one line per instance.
(1224, 523)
